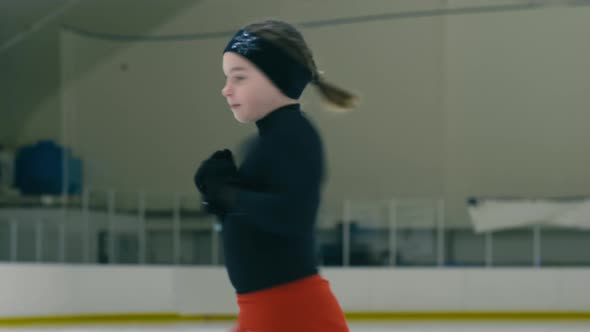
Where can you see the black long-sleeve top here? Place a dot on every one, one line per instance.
(268, 235)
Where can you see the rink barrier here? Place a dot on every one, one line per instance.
(163, 318)
(147, 318)
(33, 294)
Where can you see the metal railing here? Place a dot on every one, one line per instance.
(108, 227)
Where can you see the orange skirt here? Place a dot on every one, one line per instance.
(305, 305)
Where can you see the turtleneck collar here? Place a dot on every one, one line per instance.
(283, 113)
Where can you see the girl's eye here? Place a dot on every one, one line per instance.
(239, 78)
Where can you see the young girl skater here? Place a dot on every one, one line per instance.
(268, 204)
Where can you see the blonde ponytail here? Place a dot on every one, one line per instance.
(335, 96)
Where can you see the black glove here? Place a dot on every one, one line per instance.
(220, 165)
(216, 179)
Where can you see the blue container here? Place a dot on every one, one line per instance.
(39, 170)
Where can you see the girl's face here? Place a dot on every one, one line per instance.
(249, 93)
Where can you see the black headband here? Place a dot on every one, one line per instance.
(286, 73)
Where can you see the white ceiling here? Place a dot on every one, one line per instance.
(19, 17)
